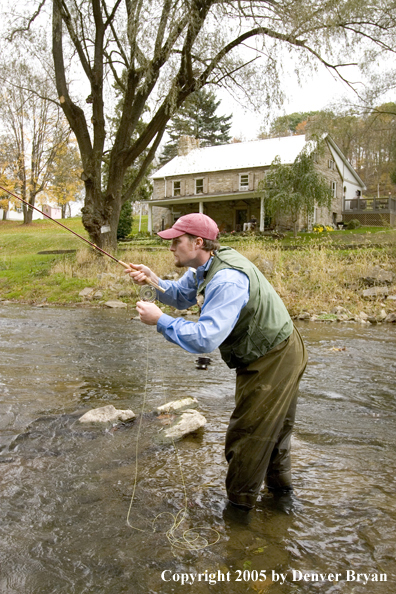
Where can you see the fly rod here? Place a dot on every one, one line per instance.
(148, 280)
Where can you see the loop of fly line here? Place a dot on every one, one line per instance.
(190, 539)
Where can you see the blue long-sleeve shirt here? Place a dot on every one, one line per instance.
(225, 295)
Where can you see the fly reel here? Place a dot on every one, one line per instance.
(148, 293)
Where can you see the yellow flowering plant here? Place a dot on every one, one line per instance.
(319, 228)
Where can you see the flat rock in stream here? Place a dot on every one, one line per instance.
(188, 422)
(176, 405)
(107, 414)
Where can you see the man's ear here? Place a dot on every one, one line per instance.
(199, 242)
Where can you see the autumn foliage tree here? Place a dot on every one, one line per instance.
(65, 185)
(35, 130)
(368, 140)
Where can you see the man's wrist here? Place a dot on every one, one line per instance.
(164, 321)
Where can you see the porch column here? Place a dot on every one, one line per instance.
(150, 219)
(262, 214)
(201, 207)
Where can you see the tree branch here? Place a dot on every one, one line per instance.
(109, 21)
(74, 114)
(29, 23)
(66, 17)
(143, 168)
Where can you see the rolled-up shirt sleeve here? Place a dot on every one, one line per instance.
(225, 295)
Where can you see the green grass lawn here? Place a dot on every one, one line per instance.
(24, 272)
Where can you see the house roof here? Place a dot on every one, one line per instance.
(246, 155)
(241, 155)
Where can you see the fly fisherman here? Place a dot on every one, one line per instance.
(243, 316)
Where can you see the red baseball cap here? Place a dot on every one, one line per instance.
(196, 224)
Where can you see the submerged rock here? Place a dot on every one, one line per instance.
(106, 414)
(176, 405)
(188, 422)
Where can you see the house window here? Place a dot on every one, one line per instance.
(315, 157)
(176, 188)
(331, 164)
(199, 186)
(243, 182)
(333, 188)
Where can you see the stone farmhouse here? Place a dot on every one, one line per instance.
(224, 183)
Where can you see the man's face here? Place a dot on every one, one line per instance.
(185, 251)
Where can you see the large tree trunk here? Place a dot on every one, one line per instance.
(28, 212)
(27, 216)
(100, 216)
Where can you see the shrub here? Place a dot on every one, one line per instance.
(354, 224)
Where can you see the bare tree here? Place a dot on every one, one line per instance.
(158, 52)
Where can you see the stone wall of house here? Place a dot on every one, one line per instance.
(218, 182)
(227, 213)
(162, 218)
(332, 175)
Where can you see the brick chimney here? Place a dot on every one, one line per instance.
(186, 144)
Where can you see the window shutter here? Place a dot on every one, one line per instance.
(205, 185)
(251, 181)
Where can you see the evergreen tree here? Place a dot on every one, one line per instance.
(197, 118)
(125, 223)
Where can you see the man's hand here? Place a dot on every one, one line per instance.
(149, 313)
(139, 273)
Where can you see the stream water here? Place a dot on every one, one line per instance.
(65, 488)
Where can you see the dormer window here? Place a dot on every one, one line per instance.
(176, 188)
(243, 182)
